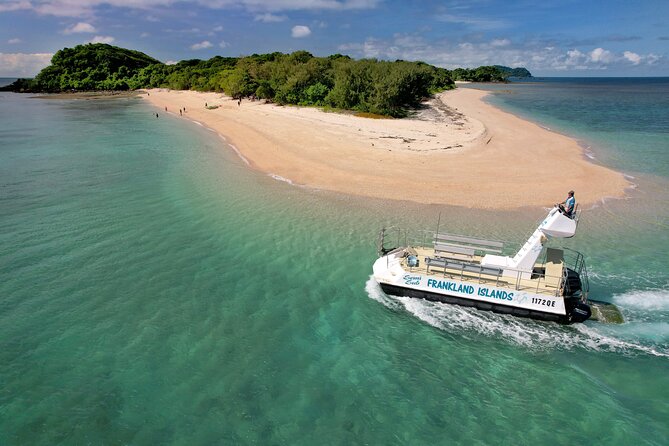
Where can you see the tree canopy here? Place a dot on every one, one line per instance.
(95, 66)
(514, 72)
(367, 85)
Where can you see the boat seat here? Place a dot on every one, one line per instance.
(460, 244)
(457, 252)
(460, 266)
(554, 267)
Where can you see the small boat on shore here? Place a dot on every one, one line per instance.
(538, 282)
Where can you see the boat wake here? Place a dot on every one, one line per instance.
(647, 300)
(537, 335)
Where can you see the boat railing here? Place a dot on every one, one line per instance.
(394, 237)
(539, 282)
(576, 262)
(552, 284)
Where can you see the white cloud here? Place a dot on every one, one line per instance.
(601, 55)
(652, 58)
(472, 22)
(632, 57)
(14, 41)
(294, 5)
(535, 56)
(269, 18)
(22, 64)
(408, 41)
(500, 42)
(143, 35)
(87, 8)
(171, 62)
(575, 58)
(218, 29)
(64, 8)
(202, 45)
(102, 39)
(300, 31)
(15, 6)
(80, 27)
(223, 44)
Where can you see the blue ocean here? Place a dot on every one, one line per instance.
(155, 290)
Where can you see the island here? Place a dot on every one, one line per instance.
(401, 130)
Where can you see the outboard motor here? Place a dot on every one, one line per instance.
(580, 312)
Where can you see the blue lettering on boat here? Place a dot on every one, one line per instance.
(495, 294)
(450, 286)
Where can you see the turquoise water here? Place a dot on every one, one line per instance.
(623, 121)
(155, 290)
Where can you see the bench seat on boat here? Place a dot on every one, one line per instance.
(453, 251)
(461, 266)
(459, 247)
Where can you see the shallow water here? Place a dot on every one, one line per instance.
(156, 290)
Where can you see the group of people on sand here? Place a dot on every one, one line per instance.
(181, 111)
(239, 103)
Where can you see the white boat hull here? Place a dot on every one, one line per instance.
(394, 280)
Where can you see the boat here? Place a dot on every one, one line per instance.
(539, 281)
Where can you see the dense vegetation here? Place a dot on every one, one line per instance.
(386, 88)
(95, 66)
(368, 85)
(514, 72)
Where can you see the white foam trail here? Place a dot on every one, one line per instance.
(239, 154)
(536, 335)
(199, 123)
(222, 137)
(375, 292)
(280, 178)
(655, 300)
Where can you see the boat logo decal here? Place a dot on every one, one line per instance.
(411, 279)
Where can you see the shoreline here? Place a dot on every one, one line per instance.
(93, 95)
(458, 150)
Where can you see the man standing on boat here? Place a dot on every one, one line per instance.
(567, 206)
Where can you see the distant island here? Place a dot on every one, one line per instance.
(337, 81)
(514, 72)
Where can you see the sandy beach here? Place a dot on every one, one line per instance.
(458, 150)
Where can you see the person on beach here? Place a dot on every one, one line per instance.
(180, 114)
(568, 205)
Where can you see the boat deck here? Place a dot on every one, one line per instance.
(468, 268)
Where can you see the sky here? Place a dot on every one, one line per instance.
(549, 37)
